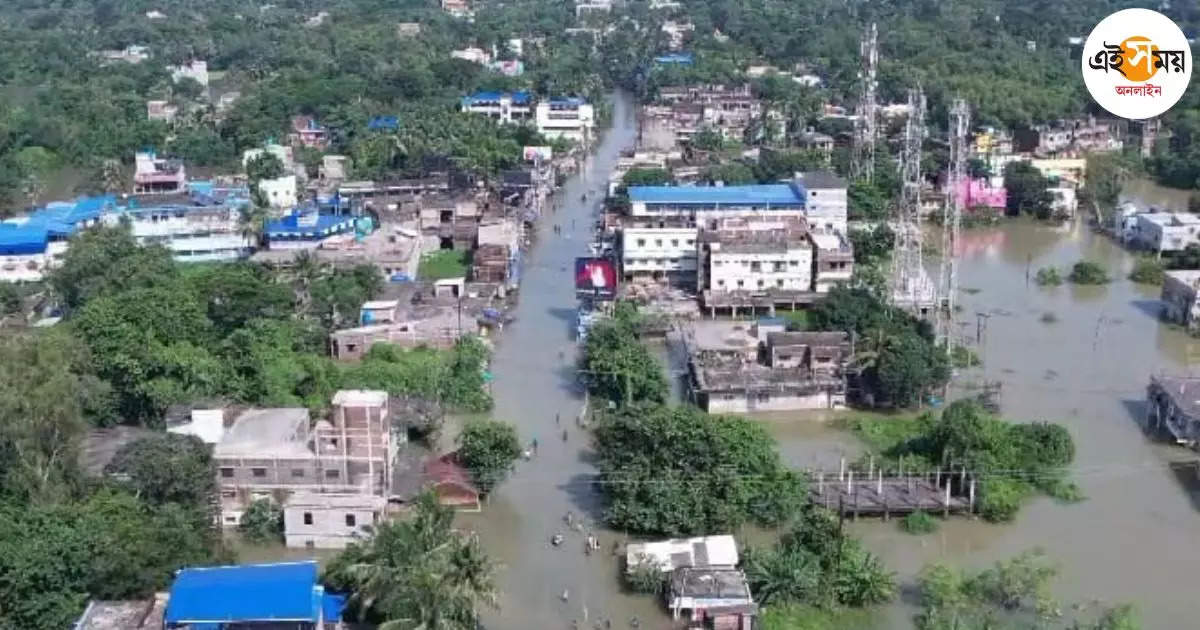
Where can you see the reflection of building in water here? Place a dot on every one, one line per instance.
(975, 243)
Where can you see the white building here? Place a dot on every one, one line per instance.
(1065, 202)
(569, 118)
(329, 521)
(754, 260)
(191, 233)
(195, 70)
(660, 253)
(678, 553)
(505, 107)
(279, 192)
(677, 32)
(162, 111)
(825, 201)
(833, 259)
(1166, 231)
(33, 245)
(474, 55)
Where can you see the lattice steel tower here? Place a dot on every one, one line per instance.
(911, 286)
(959, 128)
(867, 111)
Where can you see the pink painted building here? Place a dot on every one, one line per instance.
(977, 192)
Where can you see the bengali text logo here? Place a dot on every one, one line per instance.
(1137, 63)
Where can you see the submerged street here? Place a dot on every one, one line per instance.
(535, 381)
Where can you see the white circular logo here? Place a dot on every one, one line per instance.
(1137, 63)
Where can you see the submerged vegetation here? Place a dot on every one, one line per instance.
(1010, 461)
(1087, 272)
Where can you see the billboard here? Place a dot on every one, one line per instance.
(596, 278)
(537, 153)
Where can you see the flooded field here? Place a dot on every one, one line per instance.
(1133, 539)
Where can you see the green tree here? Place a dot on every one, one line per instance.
(106, 260)
(167, 468)
(730, 174)
(416, 573)
(488, 449)
(44, 396)
(1012, 593)
(684, 471)
(262, 522)
(617, 367)
(264, 166)
(1027, 192)
(647, 177)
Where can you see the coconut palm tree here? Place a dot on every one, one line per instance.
(417, 574)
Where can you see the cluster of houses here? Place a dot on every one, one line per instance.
(680, 112)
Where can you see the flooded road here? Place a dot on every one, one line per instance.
(1135, 537)
(534, 381)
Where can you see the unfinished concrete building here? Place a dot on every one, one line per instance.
(736, 369)
(272, 453)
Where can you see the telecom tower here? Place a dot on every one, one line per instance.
(960, 123)
(866, 117)
(912, 288)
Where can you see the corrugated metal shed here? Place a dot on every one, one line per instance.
(256, 592)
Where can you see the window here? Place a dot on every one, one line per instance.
(674, 242)
(779, 283)
(297, 472)
(227, 472)
(760, 283)
(658, 242)
(741, 284)
(691, 242)
(332, 474)
(350, 520)
(794, 263)
(641, 242)
(258, 472)
(308, 544)
(779, 266)
(756, 266)
(720, 283)
(308, 520)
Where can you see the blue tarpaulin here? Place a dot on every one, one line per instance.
(255, 592)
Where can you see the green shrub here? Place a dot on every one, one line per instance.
(1048, 277)
(1001, 499)
(646, 579)
(919, 523)
(1085, 272)
(1147, 271)
(963, 357)
(262, 522)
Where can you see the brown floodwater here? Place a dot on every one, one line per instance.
(1131, 540)
(534, 381)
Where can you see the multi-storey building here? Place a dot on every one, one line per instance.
(506, 107)
(34, 244)
(758, 259)
(273, 453)
(154, 175)
(570, 118)
(663, 250)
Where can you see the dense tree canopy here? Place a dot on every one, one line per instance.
(677, 470)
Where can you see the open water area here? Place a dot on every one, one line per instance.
(1132, 540)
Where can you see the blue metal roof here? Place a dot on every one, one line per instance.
(325, 225)
(681, 58)
(766, 194)
(518, 98)
(254, 592)
(572, 101)
(383, 123)
(17, 240)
